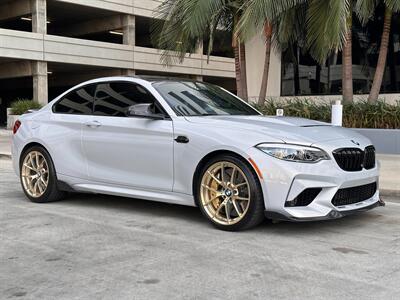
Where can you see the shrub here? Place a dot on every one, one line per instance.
(21, 106)
(360, 114)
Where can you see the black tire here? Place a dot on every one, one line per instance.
(52, 193)
(255, 213)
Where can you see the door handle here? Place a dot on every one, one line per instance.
(93, 124)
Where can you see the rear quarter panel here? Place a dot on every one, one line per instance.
(59, 134)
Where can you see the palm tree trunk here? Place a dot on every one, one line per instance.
(381, 66)
(296, 72)
(318, 79)
(332, 62)
(392, 58)
(239, 51)
(239, 90)
(243, 72)
(264, 81)
(347, 64)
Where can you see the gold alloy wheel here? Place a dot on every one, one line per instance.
(225, 193)
(35, 174)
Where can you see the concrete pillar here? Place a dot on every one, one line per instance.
(255, 56)
(128, 72)
(39, 68)
(128, 28)
(39, 16)
(40, 82)
(199, 51)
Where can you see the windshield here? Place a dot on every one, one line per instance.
(189, 98)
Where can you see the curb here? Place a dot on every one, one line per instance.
(5, 133)
(389, 193)
(5, 156)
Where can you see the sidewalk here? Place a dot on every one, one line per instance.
(389, 180)
(5, 143)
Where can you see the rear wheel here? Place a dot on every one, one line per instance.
(38, 176)
(229, 194)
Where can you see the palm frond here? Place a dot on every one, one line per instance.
(328, 21)
(365, 10)
(290, 27)
(187, 23)
(393, 5)
(256, 12)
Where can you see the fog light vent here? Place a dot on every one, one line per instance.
(304, 198)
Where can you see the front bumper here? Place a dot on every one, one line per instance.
(333, 214)
(283, 181)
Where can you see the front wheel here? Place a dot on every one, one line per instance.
(38, 176)
(229, 194)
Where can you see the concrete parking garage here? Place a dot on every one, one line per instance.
(42, 41)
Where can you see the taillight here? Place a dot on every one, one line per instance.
(17, 125)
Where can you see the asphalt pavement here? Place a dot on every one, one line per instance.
(104, 247)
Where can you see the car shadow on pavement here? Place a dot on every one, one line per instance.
(136, 206)
(153, 209)
(345, 224)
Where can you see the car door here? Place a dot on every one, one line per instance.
(123, 150)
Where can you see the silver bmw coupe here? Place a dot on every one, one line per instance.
(192, 143)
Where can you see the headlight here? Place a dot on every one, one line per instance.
(294, 153)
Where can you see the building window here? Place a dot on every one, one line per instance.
(222, 45)
(302, 75)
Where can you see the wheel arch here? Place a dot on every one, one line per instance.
(213, 154)
(30, 145)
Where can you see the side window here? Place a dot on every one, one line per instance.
(114, 98)
(78, 102)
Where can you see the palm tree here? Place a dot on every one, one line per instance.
(381, 66)
(366, 10)
(347, 61)
(264, 80)
(259, 16)
(188, 22)
(290, 36)
(328, 28)
(239, 50)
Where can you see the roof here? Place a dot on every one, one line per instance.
(153, 78)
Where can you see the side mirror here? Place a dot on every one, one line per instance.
(144, 110)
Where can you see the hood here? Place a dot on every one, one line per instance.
(288, 129)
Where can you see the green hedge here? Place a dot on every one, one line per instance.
(21, 106)
(359, 114)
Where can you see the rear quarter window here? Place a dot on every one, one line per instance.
(79, 101)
